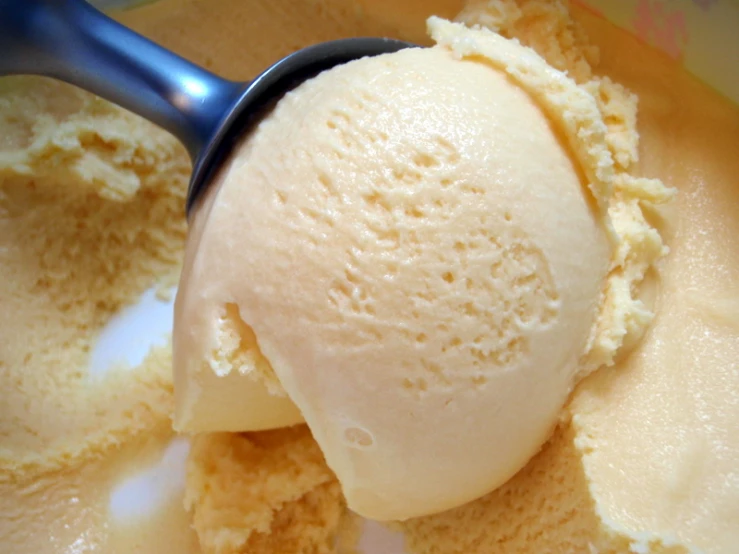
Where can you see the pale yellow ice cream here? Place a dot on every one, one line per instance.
(643, 461)
(91, 216)
(416, 248)
(267, 492)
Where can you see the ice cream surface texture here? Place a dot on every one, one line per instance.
(644, 458)
(91, 216)
(416, 248)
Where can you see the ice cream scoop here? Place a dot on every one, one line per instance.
(72, 41)
(414, 255)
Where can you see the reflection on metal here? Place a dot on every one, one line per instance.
(108, 5)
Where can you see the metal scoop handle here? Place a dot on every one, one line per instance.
(71, 41)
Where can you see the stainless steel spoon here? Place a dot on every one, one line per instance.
(71, 41)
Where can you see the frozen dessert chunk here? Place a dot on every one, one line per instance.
(264, 493)
(82, 181)
(416, 251)
(90, 217)
(91, 212)
(231, 385)
(645, 458)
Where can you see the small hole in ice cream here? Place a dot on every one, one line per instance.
(358, 438)
(479, 380)
(424, 160)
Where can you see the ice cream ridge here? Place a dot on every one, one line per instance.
(419, 255)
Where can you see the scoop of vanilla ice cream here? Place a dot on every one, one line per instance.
(407, 249)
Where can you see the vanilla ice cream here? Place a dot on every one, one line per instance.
(415, 250)
(644, 456)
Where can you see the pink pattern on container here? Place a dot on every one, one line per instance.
(656, 23)
(705, 5)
